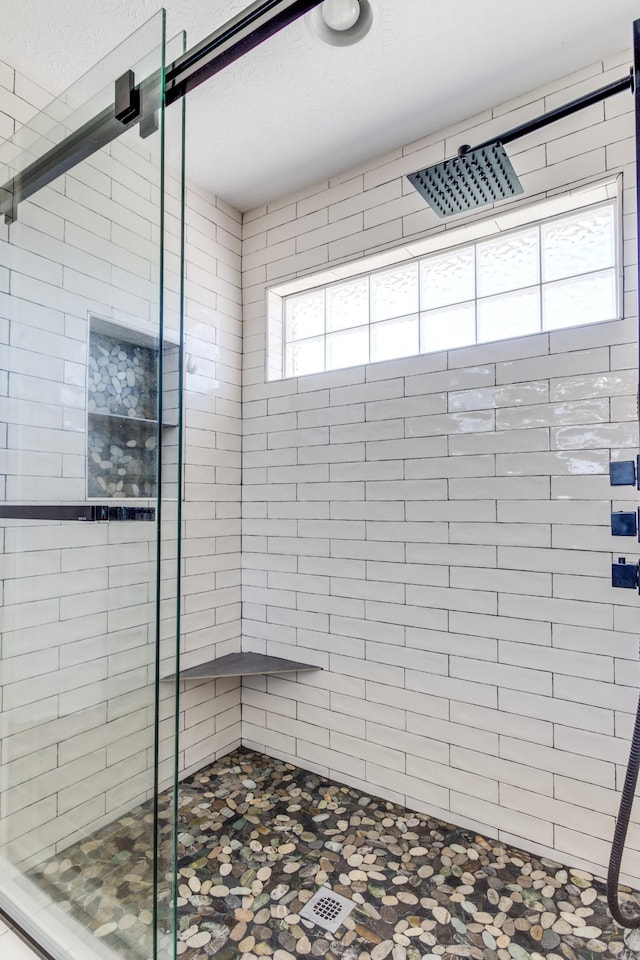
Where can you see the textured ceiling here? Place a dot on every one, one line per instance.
(295, 110)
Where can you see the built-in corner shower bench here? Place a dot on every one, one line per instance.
(242, 665)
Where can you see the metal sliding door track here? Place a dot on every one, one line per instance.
(238, 36)
(231, 41)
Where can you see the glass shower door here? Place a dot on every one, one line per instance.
(89, 510)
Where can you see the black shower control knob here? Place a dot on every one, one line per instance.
(624, 575)
(622, 473)
(623, 524)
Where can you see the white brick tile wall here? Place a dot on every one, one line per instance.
(441, 523)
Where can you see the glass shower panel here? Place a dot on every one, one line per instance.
(168, 559)
(90, 334)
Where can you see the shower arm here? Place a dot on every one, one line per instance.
(251, 27)
(566, 110)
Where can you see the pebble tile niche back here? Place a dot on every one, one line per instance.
(122, 409)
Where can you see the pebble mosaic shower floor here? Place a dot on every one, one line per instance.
(257, 837)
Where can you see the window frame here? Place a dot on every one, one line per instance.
(601, 193)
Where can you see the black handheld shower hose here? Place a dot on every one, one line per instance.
(627, 913)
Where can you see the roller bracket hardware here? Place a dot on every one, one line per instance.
(127, 98)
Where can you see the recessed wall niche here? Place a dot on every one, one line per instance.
(122, 410)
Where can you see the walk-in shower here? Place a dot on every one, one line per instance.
(92, 821)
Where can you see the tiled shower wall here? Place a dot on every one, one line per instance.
(210, 710)
(77, 652)
(434, 532)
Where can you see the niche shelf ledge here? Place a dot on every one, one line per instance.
(242, 665)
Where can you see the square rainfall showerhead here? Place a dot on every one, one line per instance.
(327, 909)
(471, 180)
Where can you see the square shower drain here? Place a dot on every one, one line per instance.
(327, 909)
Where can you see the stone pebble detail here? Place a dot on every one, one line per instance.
(121, 452)
(122, 378)
(257, 837)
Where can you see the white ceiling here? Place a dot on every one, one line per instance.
(296, 110)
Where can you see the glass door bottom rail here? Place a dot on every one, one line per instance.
(257, 837)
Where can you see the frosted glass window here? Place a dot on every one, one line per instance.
(305, 356)
(508, 262)
(394, 338)
(348, 304)
(448, 278)
(394, 293)
(580, 243)
(546, 275)
(509, 315)
(448, 328)
(304, 315)
(347, 348)
(586, 299)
